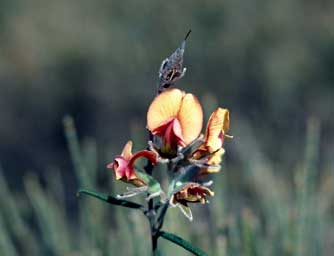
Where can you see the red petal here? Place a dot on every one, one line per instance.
(143, 153)
(120, 166)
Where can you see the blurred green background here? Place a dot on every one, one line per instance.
(270, 62)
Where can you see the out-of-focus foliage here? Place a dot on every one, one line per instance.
(270, 62)
(284, 220)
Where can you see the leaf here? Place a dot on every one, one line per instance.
(132, 192)
(153, 185)
(111, 199)
(80, 168)
(182, 243)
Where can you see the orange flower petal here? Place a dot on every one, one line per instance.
(190, 117)
(216, 158)
(126, 152)
(218, 123)
(166, 105)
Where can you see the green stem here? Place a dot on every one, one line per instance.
(160, 219)
(152, 220)
(155, 245)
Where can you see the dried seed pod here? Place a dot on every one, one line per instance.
(171, 69)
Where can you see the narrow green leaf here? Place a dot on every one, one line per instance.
(182, 243)
(75, 151)
(111, 199)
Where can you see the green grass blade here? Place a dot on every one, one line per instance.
(6, 244)
(12, 210)
(306, 181)
(111, 199)
(183, 243)
(76, 153)
(50, 217)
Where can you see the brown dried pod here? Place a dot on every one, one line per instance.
(171, 69)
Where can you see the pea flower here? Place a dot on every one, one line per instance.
(123, 165)
(215, 133)
(176, 117)
(218, 125)
(211, 149)
(190, 193)
(174, 120)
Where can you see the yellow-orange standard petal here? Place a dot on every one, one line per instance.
(218, 124)
(190, 117)
(174, 103)
(166, 105)
(127, 150)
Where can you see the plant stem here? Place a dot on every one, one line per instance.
(154, 233)
(154, 245)
(160, 219)
(151, 208)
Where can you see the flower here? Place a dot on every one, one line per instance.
(191, 193)
(213, 163)
(218, 125)
(211, 150)
(215, 133)
(176, 117)
(123, 165)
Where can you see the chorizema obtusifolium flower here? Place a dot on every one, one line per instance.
(176, 118)
(175, 123)
(123, 165)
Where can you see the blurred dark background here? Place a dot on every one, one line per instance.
(270, 62)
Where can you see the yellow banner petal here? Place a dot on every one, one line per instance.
(166, 105)
(190, 117)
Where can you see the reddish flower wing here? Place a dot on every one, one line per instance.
(123, 165)
(120, 167)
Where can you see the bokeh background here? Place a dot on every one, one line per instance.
(270, 62)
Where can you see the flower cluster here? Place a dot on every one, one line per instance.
(175, 120)
(175, 123)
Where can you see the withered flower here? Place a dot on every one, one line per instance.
(192, 193)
